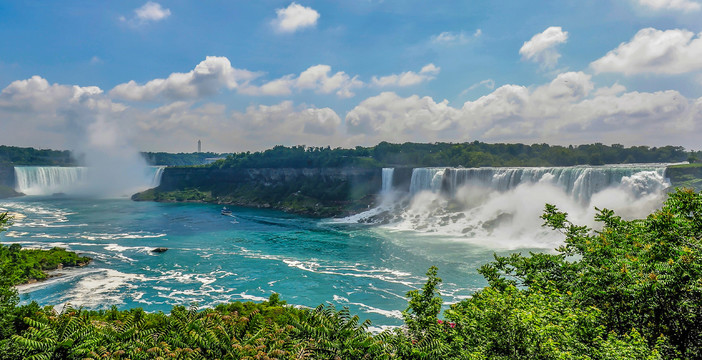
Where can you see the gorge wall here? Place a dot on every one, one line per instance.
(320, 192)
(7, 175)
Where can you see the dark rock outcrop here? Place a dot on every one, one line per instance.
(319, 192)
(7, 175)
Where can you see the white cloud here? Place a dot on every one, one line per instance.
(487, 83)
(388, 116)
(454, 38)
(295, 17)
(317, 78)
(541, 47)
(567, 110)
(207, 78)
(682, 5)
(51, 115)
(654, 51)
(408, 78)
(149, 12)
(152, 11)
(37, 95)
(257, 128)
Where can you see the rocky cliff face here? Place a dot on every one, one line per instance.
(181, 178)
(7, 175)
(321, 192)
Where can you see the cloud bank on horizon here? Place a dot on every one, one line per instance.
(159, 75)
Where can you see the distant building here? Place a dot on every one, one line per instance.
(199, 146)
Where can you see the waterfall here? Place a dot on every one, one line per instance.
(426, 179)
(157, 175)
(500, 207)
(387, 180)
(581, 182)
(47, 180)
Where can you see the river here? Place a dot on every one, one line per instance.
(354, 262)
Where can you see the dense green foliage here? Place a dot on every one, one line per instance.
(180, 159)
(31, 156)
(630, 290)
(23, 265)
(472, 154)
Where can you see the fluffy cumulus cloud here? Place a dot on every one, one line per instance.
(257, 128)
(216, 73)
(149, 12)
(408, 78)
(207, 78)
(681, 5)
(541, 47)
(295, 17)
(391, 117)
(53, 115)
(569, 109)
(654, 51)
(318, 78)
(152, 11)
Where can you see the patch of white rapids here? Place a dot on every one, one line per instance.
(500, 208)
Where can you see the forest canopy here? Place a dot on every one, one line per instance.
(473, 154)
(469, 154)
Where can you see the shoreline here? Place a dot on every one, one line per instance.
(303, 207)
(53, 273)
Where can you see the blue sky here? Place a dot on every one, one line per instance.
(248, 75)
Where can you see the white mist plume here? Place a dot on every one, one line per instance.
(115, 167)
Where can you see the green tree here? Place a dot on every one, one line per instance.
(641, 274)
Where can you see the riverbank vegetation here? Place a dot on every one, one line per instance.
(12, 155)
(631, 290)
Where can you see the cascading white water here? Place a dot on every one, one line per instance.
(387, 180)
(47, 180)
(157, 175)
(426, 179)
(500, 207)
(579, 181)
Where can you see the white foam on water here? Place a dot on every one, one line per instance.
(246, 296)
(101, 288)
(375, 330)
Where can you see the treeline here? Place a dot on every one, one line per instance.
(180, 159)
(474, 154)
(11, 155)
(631, 290)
